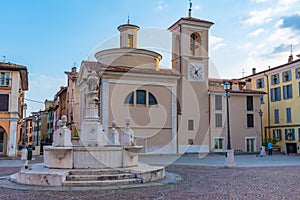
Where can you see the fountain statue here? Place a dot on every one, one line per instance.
(97, 152)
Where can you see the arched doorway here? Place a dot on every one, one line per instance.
(2, 142)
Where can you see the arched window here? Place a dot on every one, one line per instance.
(129, 99)
(152, 99)
(141, 97)
(195, 44)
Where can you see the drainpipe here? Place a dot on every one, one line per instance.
(268, 89)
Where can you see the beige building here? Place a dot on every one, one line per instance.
(171, 109)
(245, 123)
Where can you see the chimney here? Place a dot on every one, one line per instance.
(290, 58)
(235, 86)
(253, 71)
(248, 84)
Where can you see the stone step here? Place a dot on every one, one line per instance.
(99, 177)
(101, 183)
(94, 172)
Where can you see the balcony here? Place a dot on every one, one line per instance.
(5, 83)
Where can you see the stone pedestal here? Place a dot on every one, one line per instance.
(128, 134)
(113, 136)
(24, 154)
(62, 136)
(92, 134)
(262, 151)
(229, 158)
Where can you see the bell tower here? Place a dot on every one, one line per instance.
(190, 58)
(128, 35)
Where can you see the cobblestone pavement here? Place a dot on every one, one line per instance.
(198, 182)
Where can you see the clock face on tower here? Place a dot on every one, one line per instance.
(196, 72)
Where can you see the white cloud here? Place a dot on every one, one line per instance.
(219, 45)
(216, 42)
(161, 5)
(288, 2)
(263, 16)
(196, 7)
(213, 40)
(261, 1)
(245, 46)
(259, 17)
(279, 23)
(257, 32)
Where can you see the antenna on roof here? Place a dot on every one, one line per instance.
(128, 20)
(243, 72)
(190, 9)
(3, 58)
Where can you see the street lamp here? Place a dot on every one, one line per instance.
(229, 156)
(262, 150)
(37, 139)
(24, 150)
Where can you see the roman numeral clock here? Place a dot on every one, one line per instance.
(196, 72)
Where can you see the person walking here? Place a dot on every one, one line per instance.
(270, 147)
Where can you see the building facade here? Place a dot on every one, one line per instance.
(245, 124)
(280, 106)
(170, 109)
(13, 84)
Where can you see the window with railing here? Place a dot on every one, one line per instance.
(297, 72)
(286, 76)
(275, 79)
(5, 79)
(260, 83)
(277, 134)
(289, 134)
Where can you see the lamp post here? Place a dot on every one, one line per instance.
(37, 139)
(24, 150)
(262, 149)
(229, 156)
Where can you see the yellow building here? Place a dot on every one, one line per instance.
(281, 106)
(13, 83)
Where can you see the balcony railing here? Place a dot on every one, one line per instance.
(5, 83)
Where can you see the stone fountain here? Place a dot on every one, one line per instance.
(99, 159)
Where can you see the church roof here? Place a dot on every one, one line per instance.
(97, 66)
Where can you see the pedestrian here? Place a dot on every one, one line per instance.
(270, 147)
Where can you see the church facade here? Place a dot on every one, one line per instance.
(170, 109)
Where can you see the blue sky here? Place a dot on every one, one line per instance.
(48, 36)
